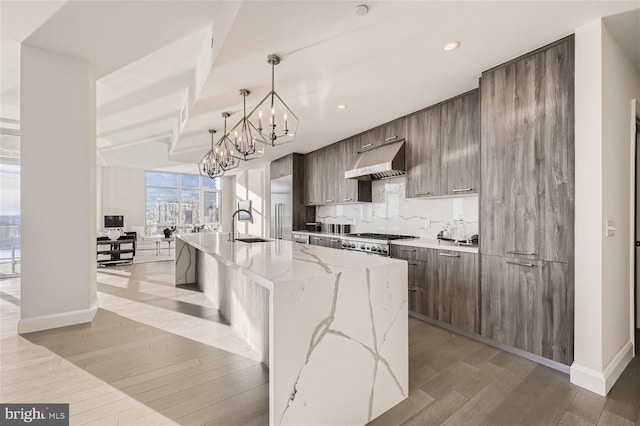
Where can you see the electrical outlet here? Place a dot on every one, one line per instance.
(427, 224)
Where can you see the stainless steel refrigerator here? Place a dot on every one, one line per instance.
(282, 208)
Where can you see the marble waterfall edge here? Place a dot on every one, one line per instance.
(349, 363)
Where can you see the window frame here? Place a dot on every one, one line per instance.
(201, 209)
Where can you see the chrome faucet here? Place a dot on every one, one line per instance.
(232, 237)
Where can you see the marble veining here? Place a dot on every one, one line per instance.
(337, 325)
(391, 212)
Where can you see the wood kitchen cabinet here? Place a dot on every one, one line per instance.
(321, 241)
(528, 304)
(456, 292)
(460, 145)
(527, 156)
(324, 176)
(350, 190)
(443, 285)
(312, 181)
(282, 166)
(380, 135)
(443, 148)
(527, 202)
(422, 151)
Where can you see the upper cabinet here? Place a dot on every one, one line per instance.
(282, 167)
(527, 156)
(422, 153)
(443, 148)
(350, 190)
(460, 145)
(312, 181)
(375, 137)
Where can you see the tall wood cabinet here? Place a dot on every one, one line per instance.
(443, 148)
(527, 202)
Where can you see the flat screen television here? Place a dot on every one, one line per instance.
(114, 221)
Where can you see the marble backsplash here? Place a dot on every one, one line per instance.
(390, 212)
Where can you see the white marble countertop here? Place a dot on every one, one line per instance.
(415, 242)
(280, 260)
(434, 244)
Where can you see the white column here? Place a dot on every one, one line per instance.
(58, 190)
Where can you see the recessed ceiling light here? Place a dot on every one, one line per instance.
(362, 10)
(342, 106)
(451, 46)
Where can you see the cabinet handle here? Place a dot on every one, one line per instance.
(347, 199)
(448, 255)
(413, 263)
(412, 290)
(530, 265)
(335, 241)
(462, 190)
(328, 201)
(390, 138)
(522, 252)
(366, 146)
(317, 238)
(412, 250)
(423, 194)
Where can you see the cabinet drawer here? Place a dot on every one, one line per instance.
(409, 252)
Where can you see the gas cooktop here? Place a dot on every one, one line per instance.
(384, 237)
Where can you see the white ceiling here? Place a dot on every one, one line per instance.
(153, 57)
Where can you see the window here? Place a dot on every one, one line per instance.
(180, 200)
(10, 240)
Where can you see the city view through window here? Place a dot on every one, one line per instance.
(9, 204)
(181, 200)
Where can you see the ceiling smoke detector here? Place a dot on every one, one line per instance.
(362, 10)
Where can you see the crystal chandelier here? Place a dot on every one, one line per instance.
(219, 158)
(247, 140)
(282, 123)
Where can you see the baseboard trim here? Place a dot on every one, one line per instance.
(519, 352)
(602, 382)
(62, 319)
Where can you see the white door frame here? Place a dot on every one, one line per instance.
(635, 115)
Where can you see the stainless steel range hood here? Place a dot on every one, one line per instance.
(383, 162)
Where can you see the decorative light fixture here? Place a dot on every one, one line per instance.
(220, 157)
(249, 144)
(276, 132)
(209, 165)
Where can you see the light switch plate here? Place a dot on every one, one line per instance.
(610, 228)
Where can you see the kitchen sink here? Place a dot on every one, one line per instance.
(252, 240)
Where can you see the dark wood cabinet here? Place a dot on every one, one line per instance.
(350, 190)
(527, 202)
(527, 160)
(460, 145)
(528, 304)
(422, 153)
(443, 148)
(312, 180)
(446, 285)
(325, 182)
(321, 241)
(457, 293)
(282, 167)
(385, 133)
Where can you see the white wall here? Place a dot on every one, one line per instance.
(123, 194)
(58, 190)
(621, 84)
(252, 185)
(605, 83)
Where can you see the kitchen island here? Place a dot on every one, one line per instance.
(331, 325)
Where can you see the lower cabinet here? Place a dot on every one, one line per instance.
(443, 285)
(319, 241)
(528, 304)
(457, 290)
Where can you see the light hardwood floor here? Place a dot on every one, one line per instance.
(156, 354)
